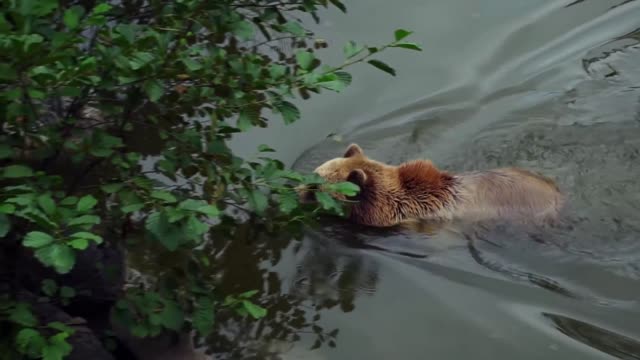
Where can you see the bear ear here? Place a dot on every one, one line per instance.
(358, 177)
(353, 150)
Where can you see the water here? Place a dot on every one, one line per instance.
(548, 85)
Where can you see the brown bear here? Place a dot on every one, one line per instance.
(417, 190)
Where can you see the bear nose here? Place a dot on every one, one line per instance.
(309, 197)
(308, 194)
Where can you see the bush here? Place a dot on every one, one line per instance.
(93, 92)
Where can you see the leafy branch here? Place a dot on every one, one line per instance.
(116, 125)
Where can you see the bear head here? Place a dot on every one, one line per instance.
(388, 194)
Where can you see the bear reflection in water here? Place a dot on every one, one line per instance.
(416, 190)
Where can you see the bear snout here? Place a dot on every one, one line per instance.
(307, 193)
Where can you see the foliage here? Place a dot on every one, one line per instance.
(32, 339)
(93, 92)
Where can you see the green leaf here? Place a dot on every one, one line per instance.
(288, 202)
(294, 27)
(17, 171)
(203, 316)
(29, 341)
(304, 59)
(131, 208)
(155, 318)
(67, 292)
(29, 40)
(128, 32)
(70, 91)
(140, 59)
(210, 210)
(344, 77)
(36, 216)
(36, 94)
(22, 199)
(334, 85)
(112, 188)
(265, 148)
(258, 201)
(326, 200)
(247, 117)
(410, 46)
(277, 71)
(339, 5)
(401, 34)
(191, 64)
(88, 236)
(194, 228)
(191, 204)
(288, 111)
(70, 200)
(84, 220)
(19, 188)
(5, 151)
(86, 202)
(241, 311)
(58, 348)
(39, 8)
(170, 235)
(247, 294)
(7, 72)
(7, 208)
(164, 196)
(352, 49)
(346, 188)
(49, 287)
(172, 316)
(313, 179)
(79, 243)
(174, 214)
(99, 151)
(101, 8)
(382, 66)
(154, 89)
(244, 30)
(37, 239)
(140, 330)
(229, 301)
(56, 325)
(46, 203)
(58, 256)
(291, 175)
(42, 70)
(5, 225)
(71, 17)
(254, 310)
(21, 314)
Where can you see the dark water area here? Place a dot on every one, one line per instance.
(552, 86)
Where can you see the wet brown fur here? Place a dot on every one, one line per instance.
(391, 195)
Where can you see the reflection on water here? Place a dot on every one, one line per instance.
(617, 345)
(243, 263)
(578, 2)
(572, 117)
(331, 277)
(555, 87)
